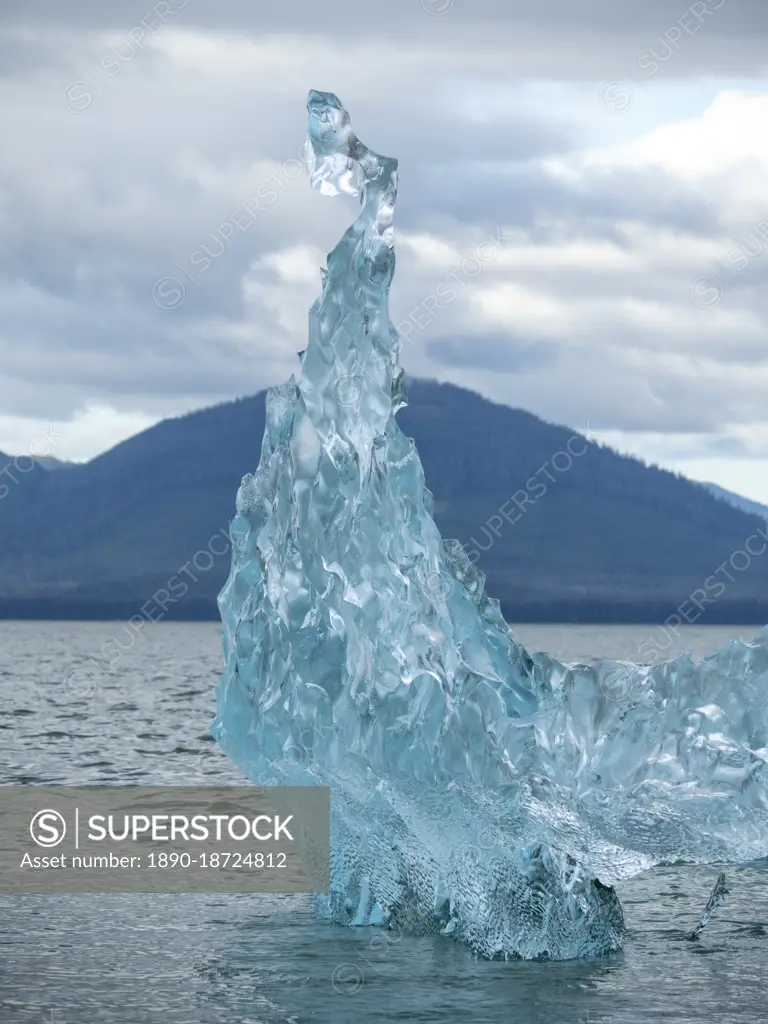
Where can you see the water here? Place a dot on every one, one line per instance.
(248, 959)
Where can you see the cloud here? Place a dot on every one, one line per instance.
(493, 352)
(581, 35)
(161, 246)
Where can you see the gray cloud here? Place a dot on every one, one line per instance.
(98, 205)
(493, 352)
(521, 194)
(735, 17)
(554, 38)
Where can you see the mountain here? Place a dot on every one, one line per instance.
(753, 507)
(566, 530)
(15, 473)
(48, 462)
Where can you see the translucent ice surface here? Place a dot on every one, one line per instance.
(477, 791)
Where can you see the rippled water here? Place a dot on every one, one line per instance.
(142, 718)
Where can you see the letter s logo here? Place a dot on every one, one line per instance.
(48, 828)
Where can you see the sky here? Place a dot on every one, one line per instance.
(586, 181)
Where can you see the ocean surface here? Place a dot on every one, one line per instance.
(91, 703)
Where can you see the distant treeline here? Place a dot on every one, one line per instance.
(566, 530)
(200, 609)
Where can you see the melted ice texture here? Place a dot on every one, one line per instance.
(477, 790)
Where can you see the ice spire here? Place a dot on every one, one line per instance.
(476, 790)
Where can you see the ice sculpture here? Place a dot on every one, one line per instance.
(477, 790)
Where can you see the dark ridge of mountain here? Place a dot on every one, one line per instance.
(754, 508)
(565, 529)
(18, 474)
(50, 463)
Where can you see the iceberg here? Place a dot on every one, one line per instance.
(478, 791)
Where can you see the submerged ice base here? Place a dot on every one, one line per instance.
(477, 790)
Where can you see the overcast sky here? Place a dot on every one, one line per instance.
(161, 244)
